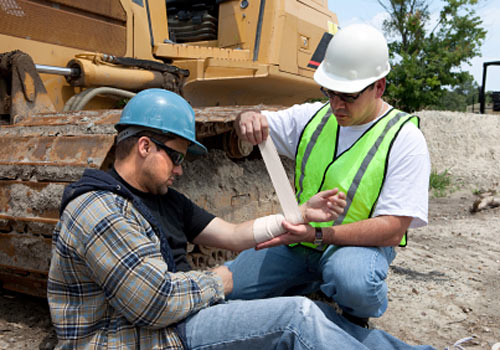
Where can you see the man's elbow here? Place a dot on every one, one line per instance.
(396, 240)
(401, 227)
(397, 236)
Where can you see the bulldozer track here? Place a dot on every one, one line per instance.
(45, 152)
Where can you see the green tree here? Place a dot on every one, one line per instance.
(457, 99)
(426, 61)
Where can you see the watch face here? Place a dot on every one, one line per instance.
(319, 233)
(318, 236)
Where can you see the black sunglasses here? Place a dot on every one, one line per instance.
(176, 156)
(348, 98)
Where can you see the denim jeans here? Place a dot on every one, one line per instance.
(281, 323)
(354, 277)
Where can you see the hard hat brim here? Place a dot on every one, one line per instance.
(194, 147)
(340, 84)
(197, 148)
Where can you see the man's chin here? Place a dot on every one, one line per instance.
(342, 118)
(161, 190)
(344, 121)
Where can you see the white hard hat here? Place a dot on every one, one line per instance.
(356, 57)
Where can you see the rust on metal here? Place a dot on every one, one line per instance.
(109, 117)
(26, 199)
(6, 247)
(37, 226)
(30, 219)
(25, 251)
(26, 94)
(45, 150)
(24, 281)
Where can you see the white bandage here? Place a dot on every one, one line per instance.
(280, 181)
(268, 227)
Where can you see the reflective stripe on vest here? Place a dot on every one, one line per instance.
(359, 171)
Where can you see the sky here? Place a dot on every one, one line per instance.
(370, 12)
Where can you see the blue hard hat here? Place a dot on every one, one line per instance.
(163, 111)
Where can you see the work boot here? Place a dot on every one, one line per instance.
(358, 321)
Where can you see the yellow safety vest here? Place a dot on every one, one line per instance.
(359, 171)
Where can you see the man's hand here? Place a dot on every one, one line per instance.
(252, 126)
(324, 206)
(227, 278)
(295, 234)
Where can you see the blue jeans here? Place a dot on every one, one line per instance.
(354, 277)
(281, 323)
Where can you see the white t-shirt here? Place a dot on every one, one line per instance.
(406, 186)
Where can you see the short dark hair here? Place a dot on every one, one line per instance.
(124, 147)
(371, 86)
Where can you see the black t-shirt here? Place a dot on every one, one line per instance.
(180, 218)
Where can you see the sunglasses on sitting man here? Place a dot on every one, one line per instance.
(348, 98)
(176, 156)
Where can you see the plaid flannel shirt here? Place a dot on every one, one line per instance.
(110, 288)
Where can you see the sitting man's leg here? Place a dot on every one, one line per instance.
(280, 323)
(354, 277)
(275, 323)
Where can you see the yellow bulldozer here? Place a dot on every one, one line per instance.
(68, 66)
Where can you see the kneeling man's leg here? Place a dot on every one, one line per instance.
(354, 277)
(272, 272)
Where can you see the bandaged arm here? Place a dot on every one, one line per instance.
(267, 227)
(237, 237)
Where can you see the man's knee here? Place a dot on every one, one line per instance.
(356, 268)
(290, 310)
(304, 314)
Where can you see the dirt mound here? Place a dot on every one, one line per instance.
(464, 144)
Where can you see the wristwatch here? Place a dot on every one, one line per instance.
(318, 237)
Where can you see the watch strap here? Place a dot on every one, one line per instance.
(318, 236)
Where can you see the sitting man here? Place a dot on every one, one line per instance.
(119, 278)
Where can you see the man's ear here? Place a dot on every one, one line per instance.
(143, 146)
(380, 87)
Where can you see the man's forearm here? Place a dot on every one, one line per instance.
(225, 235)
(374, 232)
(249, 233)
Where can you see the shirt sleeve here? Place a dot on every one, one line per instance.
(123, 256)
(195, 217)
(286, 126)
(406, 187)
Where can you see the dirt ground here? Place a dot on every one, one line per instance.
(443, 287)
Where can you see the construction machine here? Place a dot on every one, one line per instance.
(69, 66)
(482, 94)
